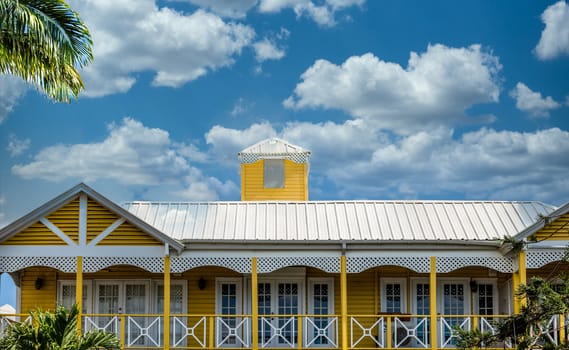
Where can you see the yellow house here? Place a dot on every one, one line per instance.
(275, 270)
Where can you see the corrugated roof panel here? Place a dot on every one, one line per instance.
(347, 220)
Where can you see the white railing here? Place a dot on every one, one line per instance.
(233, 331)
(321, 331)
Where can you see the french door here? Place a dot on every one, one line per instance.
(279, 302)
(129, 298)
(454, 299)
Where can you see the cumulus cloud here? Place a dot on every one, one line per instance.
(134, 36)
(11, 90)
(434, 90)
(365, 162)
(532, 102)
(17, 146)
(267, 50)
(554, 39)
(227, 142)
(323, 12)
(227, 8)
(132, 154)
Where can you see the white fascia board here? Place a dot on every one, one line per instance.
(548, 244)
(62, 251)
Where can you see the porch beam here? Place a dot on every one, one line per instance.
(433, 302)
(79, 293)
(254, 305)
(344, 300)
(166, 302)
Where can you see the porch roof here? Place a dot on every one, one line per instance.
(350, 221)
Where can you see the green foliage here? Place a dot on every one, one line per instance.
(55, 331)
(473, 339)
(44, 42)
(527, 329)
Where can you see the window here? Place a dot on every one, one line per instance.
(273, 173)
(393, 295)
(486, 299)
(66, 295)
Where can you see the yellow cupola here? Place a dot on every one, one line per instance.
(274, 169)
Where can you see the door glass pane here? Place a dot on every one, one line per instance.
(422, 304)
(135, 302)
(228, 307)
(392, 297)
(453, 304)
(485, 299)
(287, 305)
(264, 301)
(107, 303)
(68, 297)
(320, 306)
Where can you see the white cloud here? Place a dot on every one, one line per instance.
(532, 102)
(323, 14)
(17, 146)
(554, 39)
(227, 8)
(132, 36)
(240, 107)
(226, 143)
(364, 162)
(11, 90)
(434, 90)
(267, 50)
(132, 155)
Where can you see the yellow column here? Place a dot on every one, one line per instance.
(515, 286)
(79, 293)
(344, 301)
(166, 302)
(254, 305)
(433, 302)
(562, 334)
(522, 272)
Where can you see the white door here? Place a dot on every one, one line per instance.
(454, 299)
(321, 331)
(420, 305)
(231, 329)
(279, 302)
(130, 298)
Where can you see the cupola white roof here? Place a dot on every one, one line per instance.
(274, 148)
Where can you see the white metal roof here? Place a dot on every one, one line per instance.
(274, 145)
(323, 221)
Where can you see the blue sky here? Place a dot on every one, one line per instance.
(395, 99)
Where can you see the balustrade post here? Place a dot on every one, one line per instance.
(79, 293)
(123, 330)
(166, 302)
(254, 305)
(344, 301)
(211, 333)
(562, 334)
(433, 302)
(300, 331)
(388, 333)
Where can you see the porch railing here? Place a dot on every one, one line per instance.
(295, 331)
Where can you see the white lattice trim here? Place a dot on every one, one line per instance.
(541, 257)
(501, 264)
(241, 265)
(249, 158)
(15, 263)
(151, 264)
(415, 263)
(270, 264)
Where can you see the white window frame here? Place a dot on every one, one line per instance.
(238, 289)
(159, 283)
(467, 293)
(413, 300)
(122, 292)
(88, 292)
(389, 280)
(321, 280)
(495, 294)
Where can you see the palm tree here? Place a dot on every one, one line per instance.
(45, 43)
(55, 331)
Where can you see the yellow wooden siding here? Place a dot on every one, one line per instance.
(44, 298)
(66, 219)
(128, 234)
(36, 234)
(557, 230)
(295, 186)
(99, 219)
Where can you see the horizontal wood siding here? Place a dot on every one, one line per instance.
(66, 219)
(99, 219)
(253, 188)
(128, 234)
(36, 234)
(44, 298)
(557, 230)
